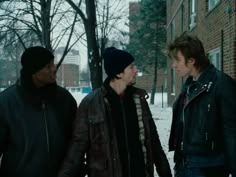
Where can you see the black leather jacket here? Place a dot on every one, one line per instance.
(209, 117)
(34, 130)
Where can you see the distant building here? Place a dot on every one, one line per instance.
(68, 74)
(9, 66)
(214, 22)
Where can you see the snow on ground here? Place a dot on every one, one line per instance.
(162, 117)
(161, 114)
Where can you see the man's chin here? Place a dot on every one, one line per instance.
(52, 81)
(133, 82)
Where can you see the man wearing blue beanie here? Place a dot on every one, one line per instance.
(35, 119)
(114, 128)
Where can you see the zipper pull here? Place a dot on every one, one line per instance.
(182, 146)
(212, 145)
(43, 105)
(206, 135)
(208, 107)
(209, 86)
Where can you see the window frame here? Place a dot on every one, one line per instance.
(212, 4)
(192, 13)
(173, 30)
(215, 58)
(173, 81)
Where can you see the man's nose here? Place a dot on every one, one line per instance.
(174, 64)
(53, 67)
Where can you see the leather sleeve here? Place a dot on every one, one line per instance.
(73, 165)
(227, 106)
(3, 133)
(159, 156)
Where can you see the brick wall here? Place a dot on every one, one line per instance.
(216, 29)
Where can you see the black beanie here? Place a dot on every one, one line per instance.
(35, 58)
(115, 61)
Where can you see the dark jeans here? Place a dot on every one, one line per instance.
(218, 171)
(200, 167)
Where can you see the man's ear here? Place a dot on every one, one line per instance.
(191, 61)
(118, 76)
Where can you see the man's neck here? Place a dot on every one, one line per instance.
(118, 86)
(195, 74)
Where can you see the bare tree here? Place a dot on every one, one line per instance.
(93, 18)
(43, 22)
(89, 21)
(110, 14)
(35, 22)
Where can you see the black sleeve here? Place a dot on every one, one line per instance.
(74, 162)
(227, 103)
(3, 134)
(159, 156)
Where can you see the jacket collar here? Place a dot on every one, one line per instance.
(107, 90)
(204, 83)
(29, 90)
(205, 80)
(207, 75)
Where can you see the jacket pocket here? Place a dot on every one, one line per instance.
(98, 163)
(97, 130)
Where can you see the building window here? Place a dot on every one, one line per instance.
(215, 58)
(212, 4)
(165, 84)
(173, 30)
(173, 82)
(193, 13)
(183, 17)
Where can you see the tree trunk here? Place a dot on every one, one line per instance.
(94, 59)
(46, 25)
(154, 86)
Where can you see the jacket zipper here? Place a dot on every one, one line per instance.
(46, 127)
(182, 143)
(111, 131)
(126, 137)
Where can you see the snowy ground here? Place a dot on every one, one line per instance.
(162, 116)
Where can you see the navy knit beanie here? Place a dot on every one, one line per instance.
(115, 61)
(35, 58)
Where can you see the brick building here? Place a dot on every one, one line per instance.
(69, 71)
(214, 22)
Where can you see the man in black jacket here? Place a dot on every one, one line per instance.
(203, 132)
(35, 119)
